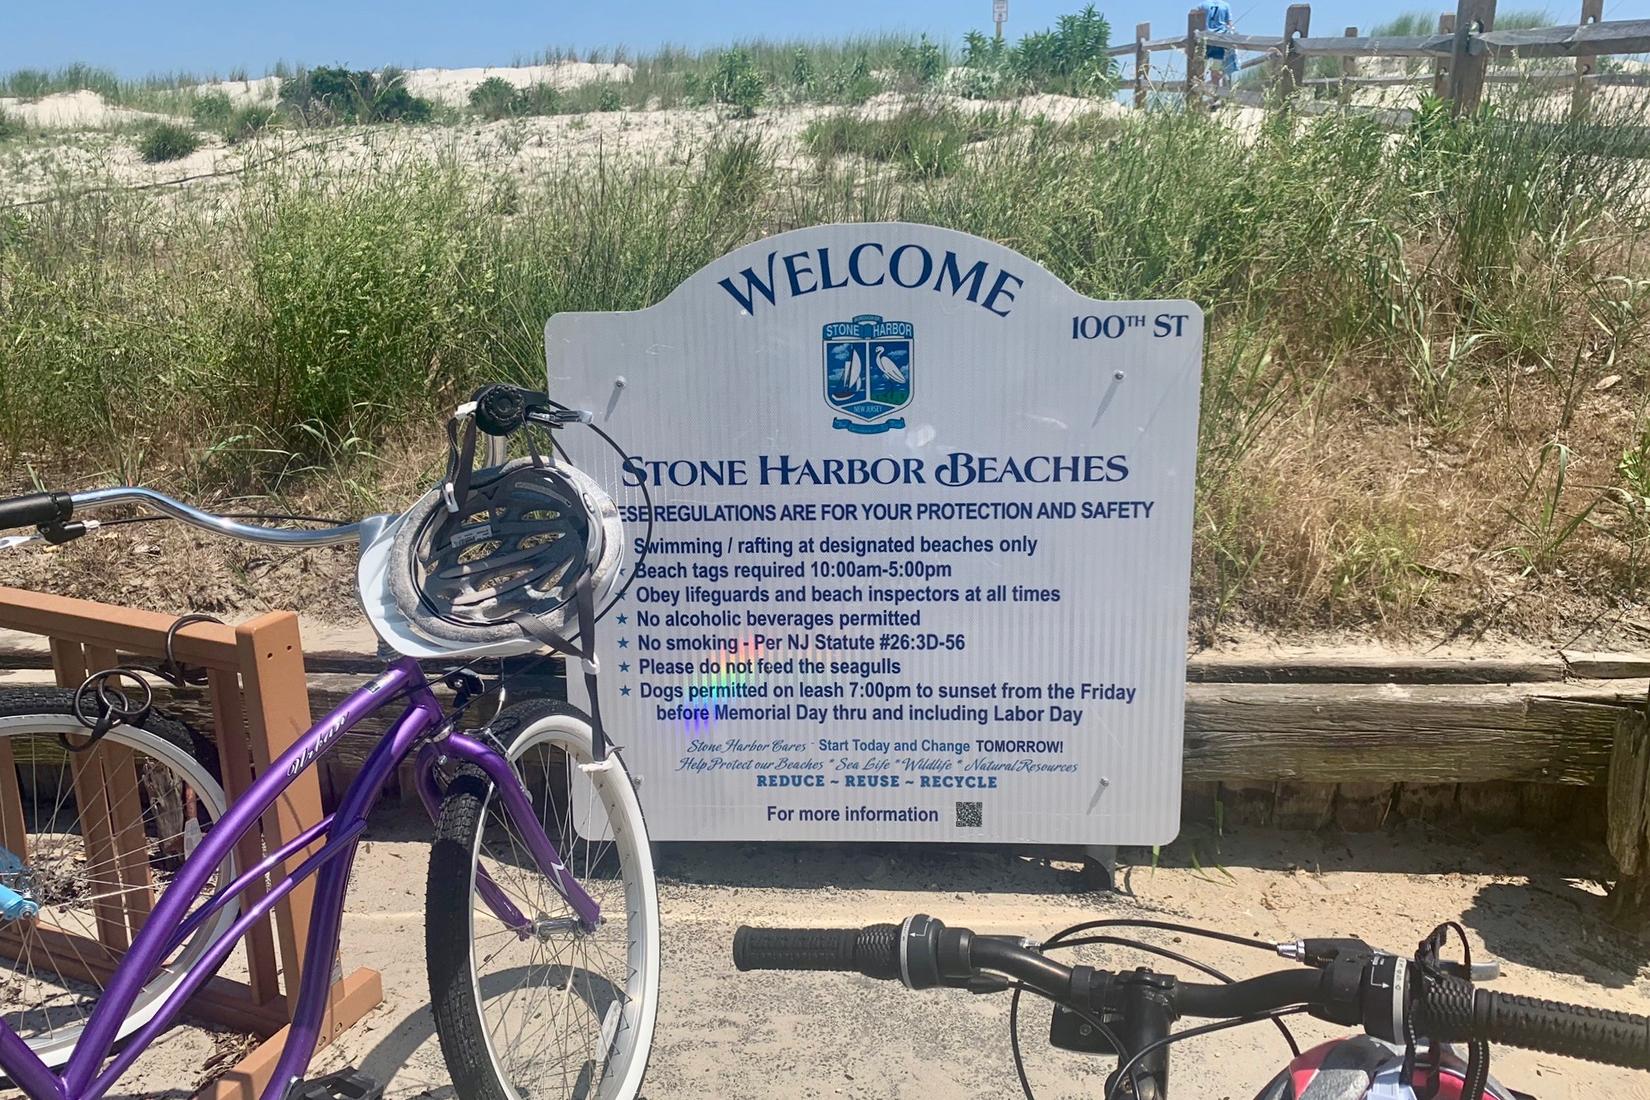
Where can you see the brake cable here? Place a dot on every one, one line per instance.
(647, 502)
(1184, 960)
(1061, 940)
(1087, 1017)
(1478, 1050)
(1193, 1033)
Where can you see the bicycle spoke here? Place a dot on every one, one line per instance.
(87, 889)
(555, 1009)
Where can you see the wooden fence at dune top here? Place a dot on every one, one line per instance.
(1461, 52)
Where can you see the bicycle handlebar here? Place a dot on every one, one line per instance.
(1378, 991)
(35, 509)
(498, 410)
(45, 509)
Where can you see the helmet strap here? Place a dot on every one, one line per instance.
(460, 460)
(584, 603)
(456, 491)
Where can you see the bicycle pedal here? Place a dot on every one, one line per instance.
(346, 1084)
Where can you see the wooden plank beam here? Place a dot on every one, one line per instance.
(13, 834)
(1242, 41)
(120, 772)
(1297, 21)
(1328, 668)
(1349, 71)
(1592, 11)
(70, 620)
(129, 846)
(1584, 665)
(1563, 733)
(70, 662)
(227, 719)
(1616, 36)
(1429, 45)
(1152, 45)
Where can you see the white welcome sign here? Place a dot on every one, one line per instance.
(921, 522)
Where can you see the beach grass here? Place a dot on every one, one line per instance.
(1407, 331)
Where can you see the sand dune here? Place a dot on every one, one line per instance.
(453, 86)
(82, 110)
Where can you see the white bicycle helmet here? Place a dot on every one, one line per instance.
(504, 560)
(505, 554)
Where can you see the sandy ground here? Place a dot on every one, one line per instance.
(450, 86)
(736, 1036)
(77, 142)
(83, 110)
(453, 86)
(524, 149)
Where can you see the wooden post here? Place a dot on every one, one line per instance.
(1440, 68)
(69, 661)
(1349, 69)
(1197, 20)
(1142, 63)
(13, 833)
(1296, 22)
(1586, 64)
(1467, 70)
(1627, 827)
(277, 714)
(235, 765)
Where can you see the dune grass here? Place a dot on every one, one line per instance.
(924, 141)
(1426, 387)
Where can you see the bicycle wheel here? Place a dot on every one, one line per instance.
(87, 874)
(560, 1013)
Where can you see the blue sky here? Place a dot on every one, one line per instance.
(136, 37)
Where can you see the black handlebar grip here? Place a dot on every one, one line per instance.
(1598, 1035)
(35, 509)
(872, 950)
(1451, 1010)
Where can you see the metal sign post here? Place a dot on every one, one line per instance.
(918, 519)
(999, 15)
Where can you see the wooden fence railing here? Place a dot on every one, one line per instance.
(1461, 52)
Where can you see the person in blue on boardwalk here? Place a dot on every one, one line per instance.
(1223, 65)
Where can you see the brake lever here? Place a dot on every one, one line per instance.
(559, 418)
(1486, 971)
(57, 534)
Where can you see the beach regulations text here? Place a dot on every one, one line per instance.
(909, 529)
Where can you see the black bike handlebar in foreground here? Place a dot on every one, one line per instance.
(1378, 991)
(35, 510)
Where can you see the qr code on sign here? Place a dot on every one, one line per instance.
(969, 815)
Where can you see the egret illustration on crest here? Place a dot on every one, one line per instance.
(888, 367)
(868, 371)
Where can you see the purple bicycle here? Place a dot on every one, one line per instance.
(542, 923)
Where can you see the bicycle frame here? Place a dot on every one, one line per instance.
(86, 1077)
